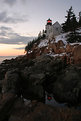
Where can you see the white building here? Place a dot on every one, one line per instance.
(52, 30)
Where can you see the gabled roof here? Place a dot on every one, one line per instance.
(56, 23)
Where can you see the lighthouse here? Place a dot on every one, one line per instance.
(48, 27)
(52, 30)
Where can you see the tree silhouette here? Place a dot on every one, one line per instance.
(71, 23)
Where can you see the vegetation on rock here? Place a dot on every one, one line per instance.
(71, 24)
(37, 41)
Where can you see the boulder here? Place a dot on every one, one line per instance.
(32, 87)
(54, 47)
(43, 72)
(68, 85)
(77, 54)
(61, 50)
(6, 106)
(42, 112)
(37, 78)
(10, 81)
(69, 48)
(60, 44)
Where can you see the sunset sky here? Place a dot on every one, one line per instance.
(21, 20)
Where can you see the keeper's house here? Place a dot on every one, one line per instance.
(52, 30)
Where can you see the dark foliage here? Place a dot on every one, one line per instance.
(74, 37)
(30, 44)
(37, 40)
(71, 23)
(80, 23)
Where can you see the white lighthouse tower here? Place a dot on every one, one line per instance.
(52, 30)
(48, 27)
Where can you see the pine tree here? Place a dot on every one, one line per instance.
(66, 25)
(71, 25)
(39, 35)
(79, 22)
(74, 23)
(71, 22)
(43, 34)
(74, 36)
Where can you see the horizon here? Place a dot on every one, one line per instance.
(22, 20)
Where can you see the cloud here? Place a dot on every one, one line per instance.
(13, 2)
(8, 36)
(5, 28)
(16, 40)
(23, 1)
(10, 2)
(15, 18)
(4, 31)
(20, 48)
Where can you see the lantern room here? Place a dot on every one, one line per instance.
(49, 22)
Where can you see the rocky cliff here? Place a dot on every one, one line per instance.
(57, 47)
(30, 78)
(53, 67)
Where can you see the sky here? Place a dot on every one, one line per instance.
(21, 20)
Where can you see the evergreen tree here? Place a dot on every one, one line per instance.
(43, 34)
(80, 22)
(71, 25)
(71, 22)
(39, 35)
(74, 36)
(66, 25)
(74, 23)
